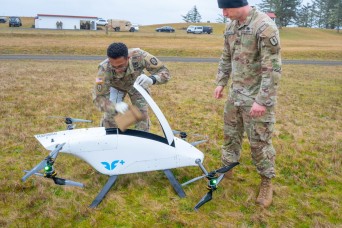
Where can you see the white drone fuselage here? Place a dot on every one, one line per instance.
(113, 152)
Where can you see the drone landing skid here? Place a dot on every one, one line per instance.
(111, 181)
(104, 191)
(175, 184)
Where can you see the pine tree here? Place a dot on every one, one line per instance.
(192, 16)
(285, 10)
(338, 15)
(305, 16)
(327, 13)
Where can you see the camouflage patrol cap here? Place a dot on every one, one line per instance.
(231, 3)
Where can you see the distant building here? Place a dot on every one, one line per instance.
(49, 21)
(271, 15)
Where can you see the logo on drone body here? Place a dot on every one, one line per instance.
(113, 165)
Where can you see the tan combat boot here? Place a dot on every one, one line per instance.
(266, 192)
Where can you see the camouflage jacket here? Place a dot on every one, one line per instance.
(251, 57)
(107, 77)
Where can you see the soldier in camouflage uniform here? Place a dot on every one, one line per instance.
(251, 58)
(116, 77)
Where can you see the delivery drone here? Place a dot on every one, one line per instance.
(114, 152)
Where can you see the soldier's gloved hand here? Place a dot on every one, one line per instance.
(121, 107)
(144, 81)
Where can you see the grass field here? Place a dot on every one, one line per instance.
(308, 140)
(297, 43)
(308, 136)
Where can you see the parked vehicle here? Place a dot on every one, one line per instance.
(207, 29)
(101, 22)
(165, 29)
(200, 29)
(3, 19)
(135, 27)
(120, 25)
(14, 22)
(190, 29)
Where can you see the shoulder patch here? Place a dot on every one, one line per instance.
(99, 87)
(274, 41)
(154, 61)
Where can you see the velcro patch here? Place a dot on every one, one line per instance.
(247, 31)
(274, 40)
(154, 61)
(229, 33)
(99, 87)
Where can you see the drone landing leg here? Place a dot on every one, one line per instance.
(104, 191)
(175, 184)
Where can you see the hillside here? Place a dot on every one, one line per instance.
(297, 43)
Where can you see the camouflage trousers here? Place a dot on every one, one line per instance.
(137, 99)
(259, 131)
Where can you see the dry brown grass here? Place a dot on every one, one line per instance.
(297, 43)
(308, 140)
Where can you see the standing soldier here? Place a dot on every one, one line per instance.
(251, 57)
(116, 77)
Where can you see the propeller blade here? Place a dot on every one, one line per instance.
(176, 132)
(38, 167)
(74, 120)
(61, 181)
(74, 183)
(53, 154)
(193, 180)
(199, 142)
(59, 117)
(219, 179)
(227, 168)
(204, 200)
(38, 174)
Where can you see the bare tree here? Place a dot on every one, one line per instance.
(221, 19)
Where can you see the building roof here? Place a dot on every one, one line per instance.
(271, 15)
(52, 15)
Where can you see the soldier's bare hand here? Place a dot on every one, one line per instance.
(257, 110)
(218, 92)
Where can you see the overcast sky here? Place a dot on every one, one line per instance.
(143, 12)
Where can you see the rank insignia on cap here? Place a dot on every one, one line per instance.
(154, 61)
(274, 40)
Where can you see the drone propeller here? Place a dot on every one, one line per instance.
(183, 136)
(176, 132)
(193, 180)
(204, 200)
(69, 120)
(198, 142)
(214, 180)
(46, 163)
(226, 168)
(213, 173)
(60, 181)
